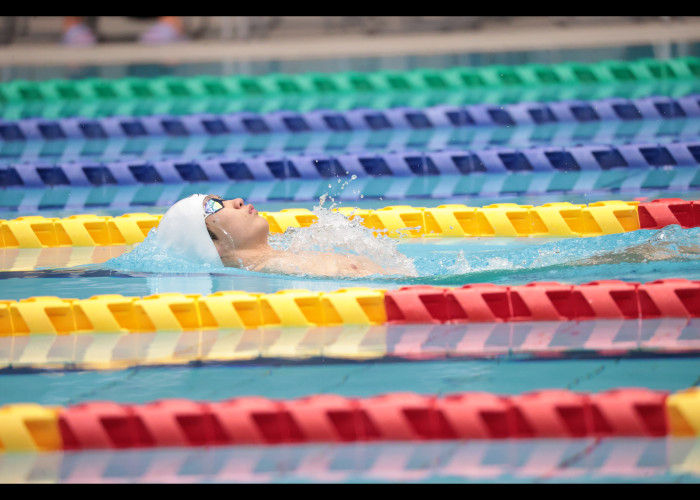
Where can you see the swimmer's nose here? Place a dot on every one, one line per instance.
(237, 203)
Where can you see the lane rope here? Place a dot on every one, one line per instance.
(560, 219)
(544, 414)
(418, 304)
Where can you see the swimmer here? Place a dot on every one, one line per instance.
(233, 234)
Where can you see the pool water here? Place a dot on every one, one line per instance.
(362, 362)
(525, 461)
(640, 256)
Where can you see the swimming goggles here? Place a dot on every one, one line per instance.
(212, 206)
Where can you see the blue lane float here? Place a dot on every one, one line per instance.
(333, 143)
(547, 186)
(321, 166)
(446, 116)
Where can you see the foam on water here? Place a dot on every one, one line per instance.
(334, 232)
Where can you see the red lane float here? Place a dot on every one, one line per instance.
(664, 212)
(416, 304)
(637, 412)
(669, 298)
(110, 425)
(482, 302)
(604, 299)
(390, 417)
(548, 301)
(612, 299)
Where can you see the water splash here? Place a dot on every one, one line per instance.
(336, 233)
(150, 257)
(338, 189)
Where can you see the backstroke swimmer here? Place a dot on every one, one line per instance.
(233, 234)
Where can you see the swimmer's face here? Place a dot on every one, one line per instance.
(234, 225)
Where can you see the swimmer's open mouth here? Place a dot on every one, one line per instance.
(251, 209)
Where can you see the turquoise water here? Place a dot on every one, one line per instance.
(329, 143)
(290, 379)
(526, 461)
(639, 256)
(429, 191)
(539, 461)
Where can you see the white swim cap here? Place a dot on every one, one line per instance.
(182, 230)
